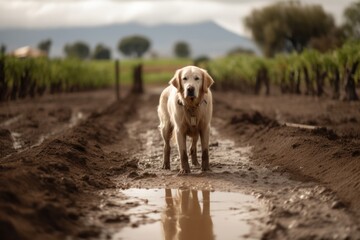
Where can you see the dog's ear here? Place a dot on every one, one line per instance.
(207, 81)
(176, 80)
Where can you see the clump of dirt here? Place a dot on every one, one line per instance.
(253, 117)
(62, 114)
(325, 132)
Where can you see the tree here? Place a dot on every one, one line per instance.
(288, 26)
(2, 50)
(134, 46)
(181, 50)
(333, 40)
(101, 52)
(239, 51)
(352, 20)
(77, 50)
(45, 46)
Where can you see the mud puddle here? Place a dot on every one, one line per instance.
(186, 213)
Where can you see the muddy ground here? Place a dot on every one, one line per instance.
(66, 159)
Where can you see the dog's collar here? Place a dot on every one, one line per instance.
(182, 104)
(191, 110)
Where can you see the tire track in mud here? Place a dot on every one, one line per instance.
(294, 209)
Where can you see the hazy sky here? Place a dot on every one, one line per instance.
(60, 13)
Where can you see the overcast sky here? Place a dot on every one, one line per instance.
(60, 13)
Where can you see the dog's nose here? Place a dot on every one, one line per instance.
(190, 91)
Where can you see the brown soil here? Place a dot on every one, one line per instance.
(329, 154)
(66, 184)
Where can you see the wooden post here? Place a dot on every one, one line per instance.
(117, 79)
(3, 84)
(137, 79)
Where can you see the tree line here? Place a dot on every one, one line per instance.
(305, 52)
(134, 46)
(289, 26)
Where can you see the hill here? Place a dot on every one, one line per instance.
(206, 38)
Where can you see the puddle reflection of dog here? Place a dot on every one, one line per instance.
(185, 109)
(183, 219)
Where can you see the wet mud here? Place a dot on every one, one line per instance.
(292, 206)
(101, 178)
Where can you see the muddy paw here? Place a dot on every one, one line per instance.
(195, 163)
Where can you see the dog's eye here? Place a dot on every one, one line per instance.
(184, 78)
(197, 78)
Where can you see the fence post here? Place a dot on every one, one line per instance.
(3, 84)
(138, 80)
(117, 79)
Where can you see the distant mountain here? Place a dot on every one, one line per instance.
(205, 38)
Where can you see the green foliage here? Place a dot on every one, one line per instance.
(155, 70)
(352, 20)
(238, 71)
(79, 50)
(134, 46)
(25, 77)
(101, 52)
(2, 50)
(240, 50)
(45, 46)
(34, 76)
(349, 54)
(288, 26)
(287, 71)
(182, 50)
(201, 59)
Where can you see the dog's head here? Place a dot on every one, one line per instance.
(191, 82)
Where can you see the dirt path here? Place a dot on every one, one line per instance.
(80, 184)
(294, 209)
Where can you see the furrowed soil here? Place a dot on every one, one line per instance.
(67, 162)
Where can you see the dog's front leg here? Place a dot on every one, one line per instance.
(181, 142)
(204, 135)
(193, 152)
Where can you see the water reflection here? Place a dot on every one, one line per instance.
(183, 217)
(184, 213)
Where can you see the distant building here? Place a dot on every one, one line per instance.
(27, 51)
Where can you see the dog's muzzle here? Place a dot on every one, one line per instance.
(190, 92)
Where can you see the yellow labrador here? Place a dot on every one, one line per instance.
(185, 109)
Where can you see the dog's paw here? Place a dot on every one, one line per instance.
(195, 163)
(205, 169)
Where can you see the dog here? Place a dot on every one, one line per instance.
(185, 109)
